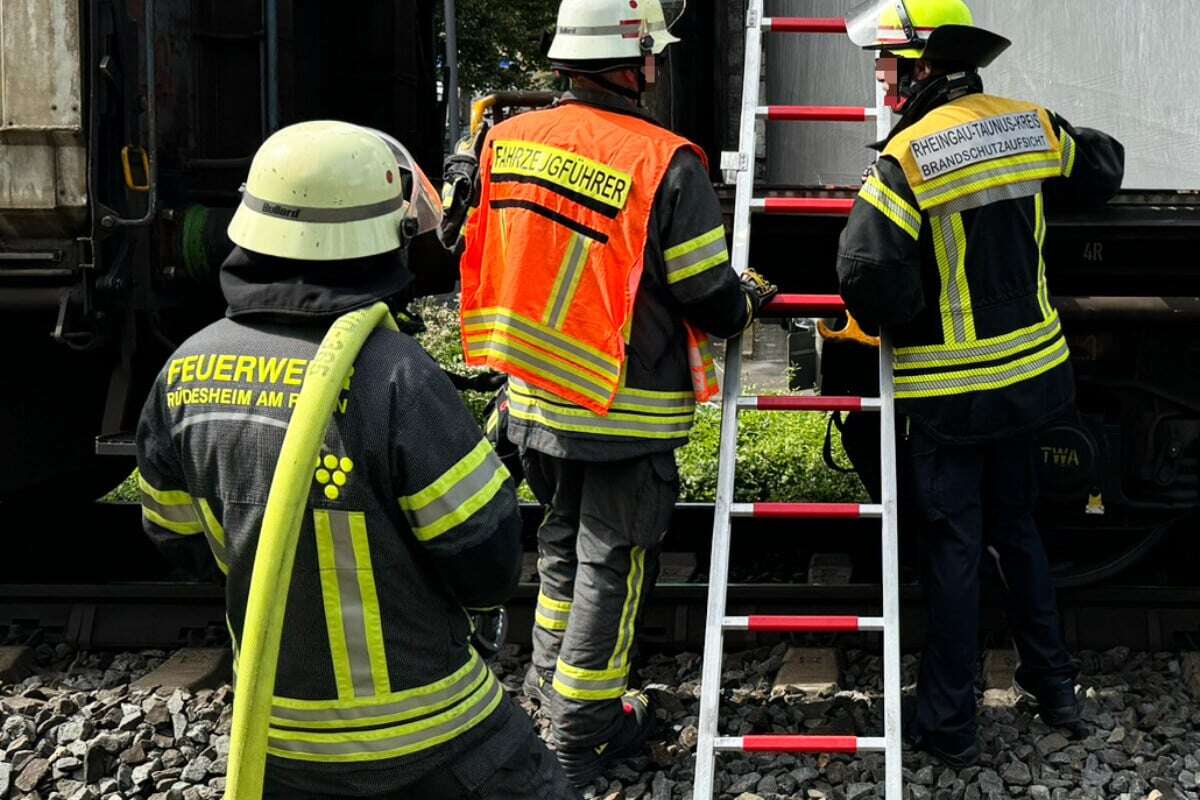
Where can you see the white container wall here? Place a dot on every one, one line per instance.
(1125, 66)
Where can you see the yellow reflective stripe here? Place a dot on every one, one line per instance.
(556, 374)
(892, 206)
(551, 614)
(615, 423)
(716, 234)
(394, 707)
(577, 683)
(389, 742)
(1068, 152)
(457, 494)
(214, 533)
(696, 255)
(483, 319)
(1040, 237)
(626, 399)
(910, 358)
(552, 604)
(163, 497)
(568, 171)
(983, 378)
(950, 250)
(372, 618)
(629, 611)
(997, 165)
(182, 528)
(332, 600)
(371, 704)
(566, 282)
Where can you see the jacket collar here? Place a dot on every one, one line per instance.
(606, 101)
(267, 287)
(939, 91)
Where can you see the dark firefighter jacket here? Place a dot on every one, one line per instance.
(687, 276)
(944, 248)
(411, 517)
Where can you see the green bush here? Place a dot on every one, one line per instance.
(127, 492)
(779, 460)
(441, 340)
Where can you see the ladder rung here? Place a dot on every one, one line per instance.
(782, 743)
(803, 624)
(829, 206)
(806, 511)
(810, 403)
(817, 113)
(804, 24)
(805, 305)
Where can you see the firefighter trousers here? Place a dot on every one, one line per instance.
(598, 549)
(971, 499)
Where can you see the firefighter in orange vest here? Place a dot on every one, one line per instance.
(594, 270)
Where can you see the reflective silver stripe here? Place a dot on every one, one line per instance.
(311, 214)
(570, 272)
(982, 351)
(354, 624)
(927, 197)
(462, 491)
(1011, 191)
(539, 364)
(592, 361)
(182, 514)
(991, 378)
(402, 738)
(610, 30)
(228, 416)
(615, 422)
(633, 599)
(678, 402)
(420, 701)
(952, 263)
(676, 267)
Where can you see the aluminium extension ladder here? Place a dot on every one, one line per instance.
(742, 162)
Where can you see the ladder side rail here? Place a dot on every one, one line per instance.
(718, 574)
(893, 747)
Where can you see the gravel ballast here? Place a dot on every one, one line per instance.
(77, 730)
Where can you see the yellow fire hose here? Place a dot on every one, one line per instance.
(287, 502)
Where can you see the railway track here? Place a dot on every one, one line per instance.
(97, 583)
(171, 614)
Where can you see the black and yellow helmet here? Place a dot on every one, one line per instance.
(935, 30)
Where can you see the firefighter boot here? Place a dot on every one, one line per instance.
(539, 685)
(583, 765)
(1057, 704)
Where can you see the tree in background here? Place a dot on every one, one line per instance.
(499, 44)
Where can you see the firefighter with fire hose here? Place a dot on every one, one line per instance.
(944, 250)
(355, 672)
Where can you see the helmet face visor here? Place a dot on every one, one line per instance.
(883, 25)
(423, 203)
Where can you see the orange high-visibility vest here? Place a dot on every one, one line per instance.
(555, 252)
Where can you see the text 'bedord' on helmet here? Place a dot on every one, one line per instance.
(327, 190)
(611, 31)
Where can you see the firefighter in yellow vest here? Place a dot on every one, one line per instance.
(379, 692)
(594, 270)
(944, 249)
